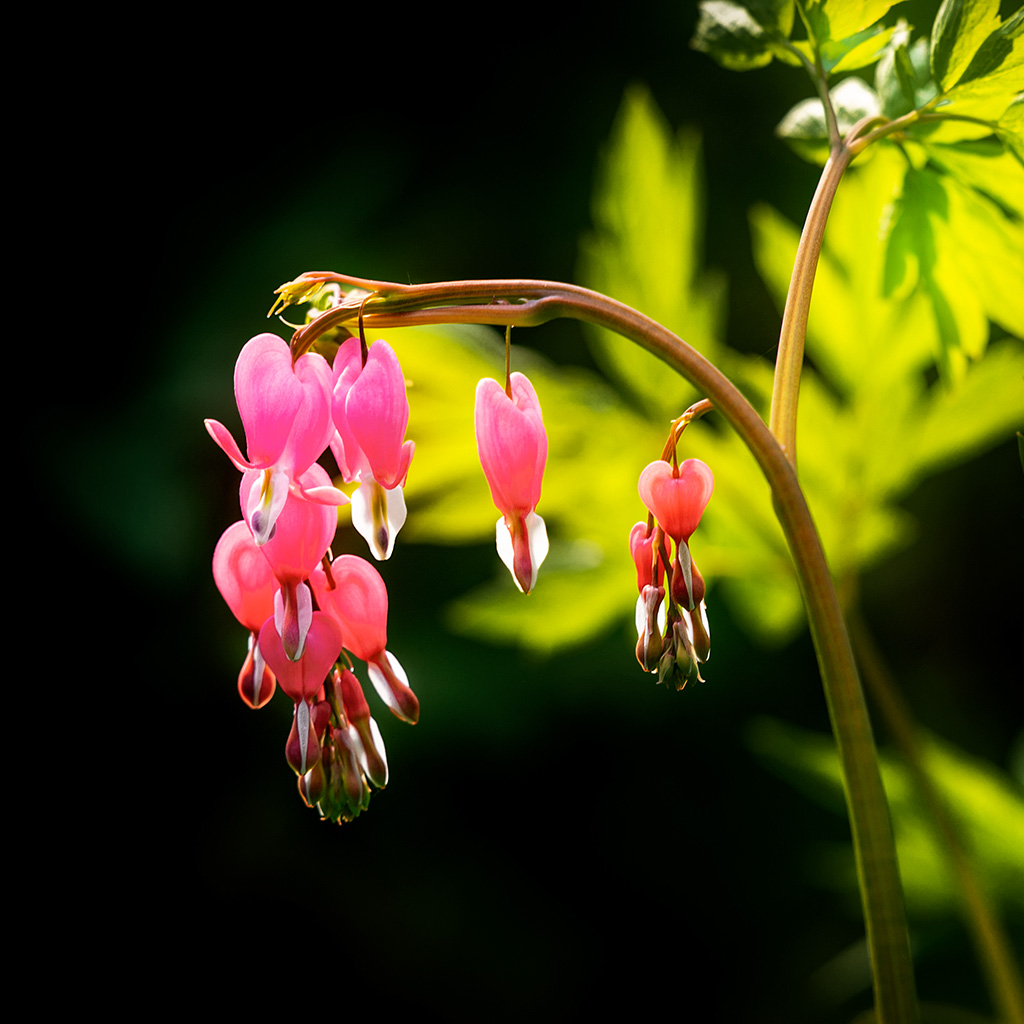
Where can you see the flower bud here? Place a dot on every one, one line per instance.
(687, 582)
(302, 750)
(312, 785)
(256, 683)
(701, 633)
(650, 620)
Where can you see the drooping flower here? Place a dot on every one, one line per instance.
(673, 639)
(303, 678)
(286, 415)
(371, 413)
(357, 599)
(513, 449)
(303, 534)
(644, 545)
(677, 497)
(247, 583)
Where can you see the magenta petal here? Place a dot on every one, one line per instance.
(312, 427)
(227, 444)
(511, 443)
(303, 530)
(377, 413)
(269, 395)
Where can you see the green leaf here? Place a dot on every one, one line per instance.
(857, 51)
(902, 78)
(1003, 50)
(834, 20)
(876, 430)
(730, 34)
(1010, 129)
(965, 254)
(961, 26)
(773, 15)
(986, 806)
(986, 166)
(985, 99)
(805, 128)
(910, 249)
(646, 252)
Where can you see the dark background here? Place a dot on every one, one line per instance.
(561, 840)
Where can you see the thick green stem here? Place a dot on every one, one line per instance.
(990, 940)
(534, 302)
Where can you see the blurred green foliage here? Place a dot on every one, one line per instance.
(873, 423)
(986, 806)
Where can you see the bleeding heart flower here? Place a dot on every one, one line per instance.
(303, 533)
(371, 411)
(286, 414)
(247, 582)
(357, 599)
(303, 679)
(677, 497)
(513, 449)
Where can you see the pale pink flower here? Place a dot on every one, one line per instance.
(286, 416)
(371, 413)
(513, 450)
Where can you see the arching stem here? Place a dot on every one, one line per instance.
(528, 303)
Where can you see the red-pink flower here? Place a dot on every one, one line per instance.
(677, 498)
(303, 679)
(286, 414)
(302, 535)
(358, 602)
(513, 449)
(371, 412)
(247, 583)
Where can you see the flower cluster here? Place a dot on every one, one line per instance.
(673, 636)
(272, 566)
(303, 610)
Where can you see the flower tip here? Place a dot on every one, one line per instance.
(522, 546)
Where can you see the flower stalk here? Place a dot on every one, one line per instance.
(529, 303)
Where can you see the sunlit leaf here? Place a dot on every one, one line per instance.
(1002, 51)
(986, 98)
(1011, 129)
(902, 78)
(961, 26)
(730, 34)
(858, 51)
(646, 251)
(985, 166)
(839, 19)
(863, 450)
(772, 14)
(805, 128)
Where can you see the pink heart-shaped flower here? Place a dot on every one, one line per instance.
(677, 501)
